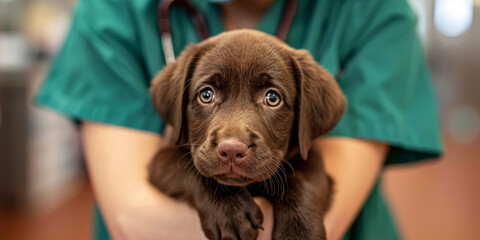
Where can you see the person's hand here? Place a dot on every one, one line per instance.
(268, 220)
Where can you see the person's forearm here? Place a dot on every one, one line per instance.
(354, 165)
(117, 161)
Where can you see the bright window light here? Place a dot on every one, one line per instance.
(453, 17)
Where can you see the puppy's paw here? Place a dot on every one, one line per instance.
(234, 217)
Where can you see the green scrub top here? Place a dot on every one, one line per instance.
(113, 50)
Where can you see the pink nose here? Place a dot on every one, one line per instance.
(231, 150)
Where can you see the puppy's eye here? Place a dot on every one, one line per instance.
(272, 98)
(206, 95)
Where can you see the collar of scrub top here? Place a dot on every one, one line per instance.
(199, 22)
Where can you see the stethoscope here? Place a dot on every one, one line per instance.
(199, 22)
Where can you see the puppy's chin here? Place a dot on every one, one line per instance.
(230, 177)
(233, 179)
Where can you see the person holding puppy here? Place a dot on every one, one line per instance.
(102, 75)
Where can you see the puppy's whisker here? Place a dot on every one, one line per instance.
(282, 169)
(274, 185)
(265, 186)
(279, 182)
(288, 164)
(273, 179)
(186, 168)
(282, 178)
(269, 180)
(276, 181)
(187, 163)
(191, 169)
(188, 145)
(180, 159)
(215, 192)
(188, 172)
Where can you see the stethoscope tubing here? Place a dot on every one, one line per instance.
(199, 22)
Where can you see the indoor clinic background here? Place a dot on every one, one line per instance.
(45, 193)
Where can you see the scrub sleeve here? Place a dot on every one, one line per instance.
(113, 50)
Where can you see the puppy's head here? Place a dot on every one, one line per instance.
(242, 101)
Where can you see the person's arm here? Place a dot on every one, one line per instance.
(117, 161)
(354, 165)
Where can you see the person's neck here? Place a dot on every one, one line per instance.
(243, 13)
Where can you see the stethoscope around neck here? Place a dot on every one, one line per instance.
(202, 30)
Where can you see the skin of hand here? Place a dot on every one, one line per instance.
(117, 160)
(354, 165)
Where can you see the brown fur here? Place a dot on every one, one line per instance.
(240, 66)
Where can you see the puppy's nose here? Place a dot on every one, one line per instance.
(232, 150)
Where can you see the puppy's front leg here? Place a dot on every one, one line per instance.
(299, 213)
(225, 212)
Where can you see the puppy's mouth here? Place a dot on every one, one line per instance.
(235, 166)
(232, 179)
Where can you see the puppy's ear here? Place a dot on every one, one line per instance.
(169, 89)
(320, 102)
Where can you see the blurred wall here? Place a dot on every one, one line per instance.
(40, 157)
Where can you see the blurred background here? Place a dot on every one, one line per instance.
(45, 193)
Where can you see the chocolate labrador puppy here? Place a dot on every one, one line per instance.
(245, 108)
